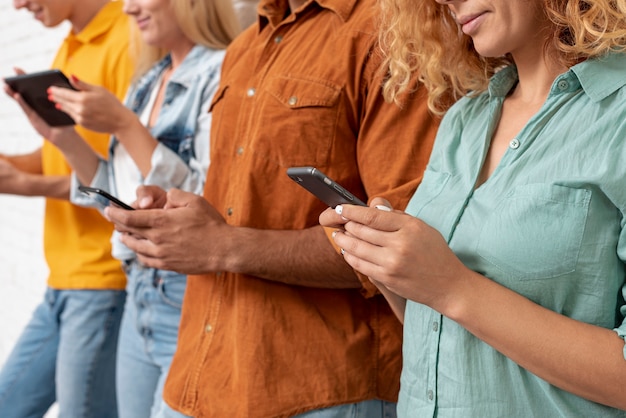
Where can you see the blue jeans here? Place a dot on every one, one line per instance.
(65, 354)
(148, 337)
(366, 409)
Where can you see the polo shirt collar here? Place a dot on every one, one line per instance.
(100, 24)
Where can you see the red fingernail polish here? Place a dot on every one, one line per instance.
(58, 106)
(74, 78)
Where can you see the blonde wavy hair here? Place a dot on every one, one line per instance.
(212, 23)
(421, 37)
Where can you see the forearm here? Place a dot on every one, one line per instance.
(28, 163)
(580, 358)
(302, 257)
(396, 302)
(138, 141)
(57, 187)
(80, 156)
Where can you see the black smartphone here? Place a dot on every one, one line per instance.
(322, 186)
(33, 89)
(106, 195)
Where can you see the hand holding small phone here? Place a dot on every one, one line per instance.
(114, 200)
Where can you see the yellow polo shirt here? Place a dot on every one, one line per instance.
(77, 243)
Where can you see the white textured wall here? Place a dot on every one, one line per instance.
(24, 43)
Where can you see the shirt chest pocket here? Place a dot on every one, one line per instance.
(536, 231)
(297, 123)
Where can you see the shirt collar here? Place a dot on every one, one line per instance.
(275, 10)
(100, 24)
(599, 78)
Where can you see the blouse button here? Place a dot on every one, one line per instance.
(514, 144)
(208, 328)
(562, 85)
(293, 100)
(278, 39)
(251, 91)
(239, 150)
(229, 211)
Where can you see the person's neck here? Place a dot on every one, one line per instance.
(179, 53)
(536, 75)
(295, 5)
(84, 11)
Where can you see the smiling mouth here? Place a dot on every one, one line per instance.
(469, 23)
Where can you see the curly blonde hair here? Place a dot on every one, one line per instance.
(421, 37)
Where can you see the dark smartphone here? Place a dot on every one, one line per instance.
(106, 195)
(33, 88)
(322, 186)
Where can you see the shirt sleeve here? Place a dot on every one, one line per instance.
(394, 145)
(100, 181)
(621, 252)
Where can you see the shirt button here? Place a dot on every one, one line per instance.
(431, 395)
(562, 85)
(514, 144)
(278, 39)
(208, 328)
(239, 150)
(435, 326)
(292, 100)
(251, 91)
(229, 211)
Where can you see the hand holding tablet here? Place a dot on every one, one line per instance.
(33, 89)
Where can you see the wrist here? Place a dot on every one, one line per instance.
(126, 123)
(234, 249)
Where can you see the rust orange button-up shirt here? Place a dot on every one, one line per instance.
(297, 90)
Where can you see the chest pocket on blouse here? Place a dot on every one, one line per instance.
(298, 121)
(536, 231)
(183, 146)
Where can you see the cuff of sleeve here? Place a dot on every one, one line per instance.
(81, 199)
(368, 289)
(169, 170)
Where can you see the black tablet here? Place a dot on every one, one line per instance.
(33, 88)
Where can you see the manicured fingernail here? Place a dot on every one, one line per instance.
(339, 209)
(343, 251)
(58, 106)
(383, 207)
(74, 78)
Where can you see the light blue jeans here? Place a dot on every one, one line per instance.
(148, 338)
(65, 354)
(367, 409)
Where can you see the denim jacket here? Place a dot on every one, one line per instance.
(181, 158)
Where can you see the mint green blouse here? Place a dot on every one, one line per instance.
(548, 224)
